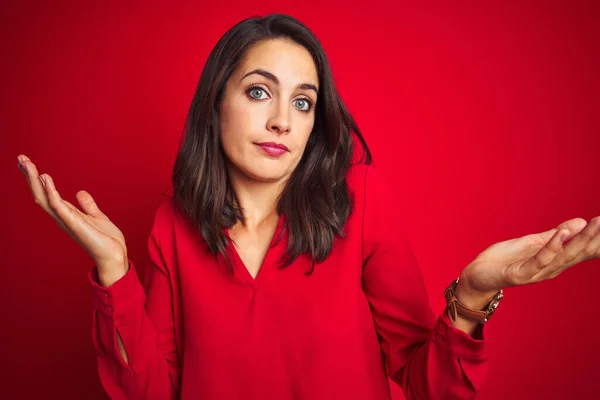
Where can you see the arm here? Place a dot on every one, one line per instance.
(144, 363)
(427, 356)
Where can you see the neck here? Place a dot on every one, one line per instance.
(257, 199)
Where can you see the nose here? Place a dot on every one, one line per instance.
(279, 121)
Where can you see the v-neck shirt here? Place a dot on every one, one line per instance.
(268, 260)
(194, 330)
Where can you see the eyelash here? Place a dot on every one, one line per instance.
(254, 87)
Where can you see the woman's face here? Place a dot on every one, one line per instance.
(270, 98)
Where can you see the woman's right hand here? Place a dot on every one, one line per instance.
(92, 229)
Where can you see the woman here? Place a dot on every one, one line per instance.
(279, 269)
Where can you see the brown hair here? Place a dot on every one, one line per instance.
(316, 200)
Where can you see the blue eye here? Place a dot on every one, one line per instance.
(259, 93)
(256, 92)
(303, 104)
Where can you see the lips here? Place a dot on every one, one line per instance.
(272, 149)
(273, 145)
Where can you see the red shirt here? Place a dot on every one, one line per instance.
(195, 331)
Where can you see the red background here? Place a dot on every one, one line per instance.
(485, 116)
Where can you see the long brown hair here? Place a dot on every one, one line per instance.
(316, 200)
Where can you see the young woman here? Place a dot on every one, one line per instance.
(279, 268)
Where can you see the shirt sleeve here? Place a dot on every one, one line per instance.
(425, 355)
(142, 314)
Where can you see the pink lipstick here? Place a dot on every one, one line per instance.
(273, 149)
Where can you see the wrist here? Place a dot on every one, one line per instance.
(109, 274)
(470, 297)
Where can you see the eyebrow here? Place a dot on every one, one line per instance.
(271, 77)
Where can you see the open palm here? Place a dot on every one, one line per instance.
(90, 228)
(535, 257)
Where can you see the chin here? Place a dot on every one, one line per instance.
(262, 170)
(265, 176)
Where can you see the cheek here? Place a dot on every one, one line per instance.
(237, 123)
(306, 128)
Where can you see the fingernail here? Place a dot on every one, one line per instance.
(43, 179)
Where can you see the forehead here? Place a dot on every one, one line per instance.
(290, 62)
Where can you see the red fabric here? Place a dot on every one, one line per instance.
(195, 331)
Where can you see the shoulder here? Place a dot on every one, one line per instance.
(367, 181)
(166, 218)
(378, 201)
(165, 211)
(170, 221)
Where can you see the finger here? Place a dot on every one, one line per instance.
(23, 169)
(88, 204)
(84, 233)
(574, 226)
(64, 226)
(57, 218)
(576, 250)
(36, 186)
(92, 211)
(66, 212)
(593, 247)
(536, 268)
(31, 174)
(74, 208)
(537, 240)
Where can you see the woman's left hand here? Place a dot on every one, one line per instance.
(532, 258)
